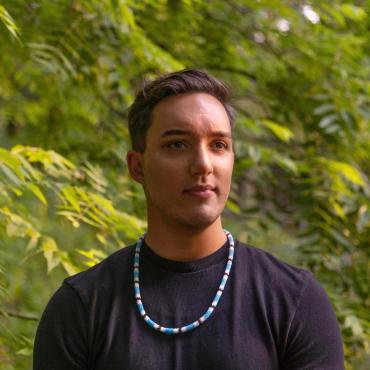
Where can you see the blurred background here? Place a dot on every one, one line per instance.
(69, 69)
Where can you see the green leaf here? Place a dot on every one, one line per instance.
(102, 239)
(10, 175)
(25, 352)
(254, 152)
(324, 108)
(281, 132)
(353, 12)
(337, 208)
(70, 195)
(37, 191)
(285, 163)
(51, 254)
(9, 23)
(93, 256)
(232, 206)
(12, 162)
(328, 120)
(341, 239)
(67, 264)
(349, 172)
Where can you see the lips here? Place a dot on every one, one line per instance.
(200, 191)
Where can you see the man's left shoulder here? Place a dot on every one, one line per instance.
(269, 272)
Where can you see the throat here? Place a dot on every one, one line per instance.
(186, 247)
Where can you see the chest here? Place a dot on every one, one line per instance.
(236, 336)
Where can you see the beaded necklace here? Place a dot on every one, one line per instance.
(210, 309)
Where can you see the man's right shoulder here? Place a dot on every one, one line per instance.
(103, 275)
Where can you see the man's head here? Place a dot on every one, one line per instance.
(185, 159)
(151, 93)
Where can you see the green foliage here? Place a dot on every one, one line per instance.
(300, 77)
(8, 22)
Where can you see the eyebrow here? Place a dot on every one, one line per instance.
(174, 132)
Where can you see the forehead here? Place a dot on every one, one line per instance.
(197, 112)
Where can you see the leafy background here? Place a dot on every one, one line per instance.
(68, 71)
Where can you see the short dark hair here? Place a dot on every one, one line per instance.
(180, 82)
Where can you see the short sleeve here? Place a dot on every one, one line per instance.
(314, 341)
(61, 338)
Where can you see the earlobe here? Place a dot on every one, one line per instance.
(134, 164)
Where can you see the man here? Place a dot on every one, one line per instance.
(187, 295)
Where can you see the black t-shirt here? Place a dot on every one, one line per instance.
(270, 316)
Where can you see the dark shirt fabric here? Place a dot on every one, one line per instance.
(270, 316)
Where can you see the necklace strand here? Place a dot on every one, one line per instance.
(210, 309)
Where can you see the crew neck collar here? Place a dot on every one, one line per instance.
(220, 255)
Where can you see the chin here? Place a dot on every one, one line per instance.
(186, 217)
(198, 221)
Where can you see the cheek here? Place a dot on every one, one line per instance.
(225, 180)
(226, 171)
(163, 177)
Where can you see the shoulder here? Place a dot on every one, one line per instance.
(101, 277)
(299, 313)
(265, 267)
(276, 285)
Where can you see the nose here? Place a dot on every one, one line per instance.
(201, 162)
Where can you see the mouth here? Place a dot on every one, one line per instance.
(202, 191)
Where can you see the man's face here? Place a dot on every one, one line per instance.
(188, 161)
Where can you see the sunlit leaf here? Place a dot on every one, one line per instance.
(37, 191)
(353, 12)
(50, 250)
(281, 132)
(9, 23)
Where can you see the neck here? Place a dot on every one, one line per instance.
(180, 243)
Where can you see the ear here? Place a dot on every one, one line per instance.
(134, 162)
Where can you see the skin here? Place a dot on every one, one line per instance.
(185, 226)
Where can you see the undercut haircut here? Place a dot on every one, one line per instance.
(152, 92)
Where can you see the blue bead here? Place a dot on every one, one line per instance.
(207, 314)
(187, 327)
(216, 299)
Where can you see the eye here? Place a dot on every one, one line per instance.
(178, 144)
(220, 145)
